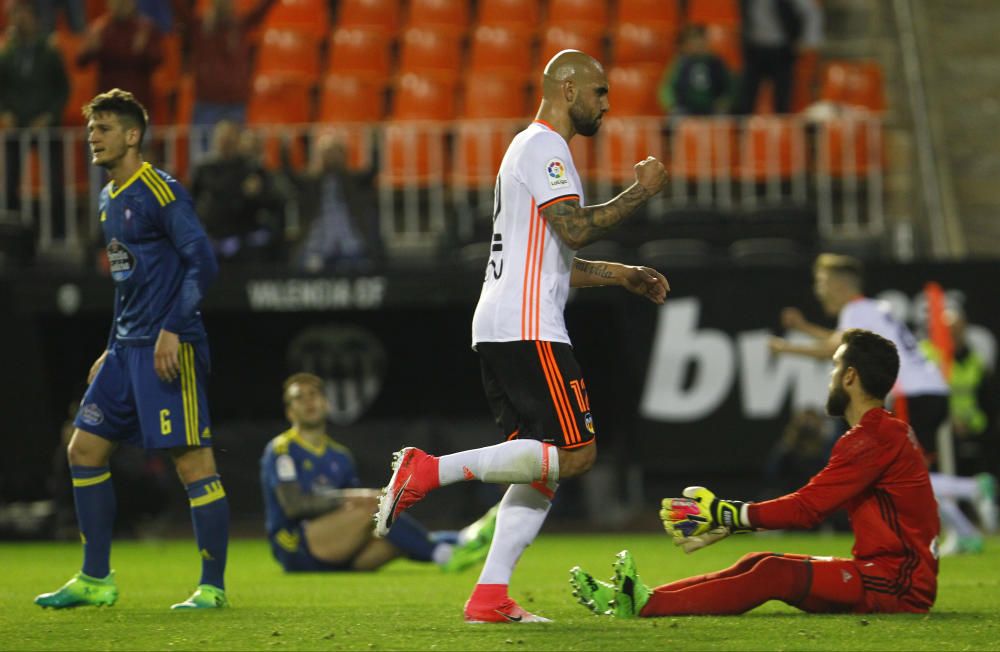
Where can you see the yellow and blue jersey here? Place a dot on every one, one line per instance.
(289, 458)
(161, 259)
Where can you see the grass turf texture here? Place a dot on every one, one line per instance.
(415, 607)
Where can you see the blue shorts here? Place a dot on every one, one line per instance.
(290, 549)
(127, 402)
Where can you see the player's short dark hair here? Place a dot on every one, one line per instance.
(841, 265)
(874, 358)
(301, 378)
(121, 103)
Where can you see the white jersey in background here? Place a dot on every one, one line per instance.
(917, 375)
(527, 276)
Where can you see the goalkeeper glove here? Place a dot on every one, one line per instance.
(691, 544)
(699, 511)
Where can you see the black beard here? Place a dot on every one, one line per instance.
(582, 124)
(837, 402)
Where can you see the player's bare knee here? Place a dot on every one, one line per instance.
(576, 462)
(193, 464)
(85, 449)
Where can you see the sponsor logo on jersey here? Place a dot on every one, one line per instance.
(556, 171)
(122, 260)
(91, 415)
(844, 575)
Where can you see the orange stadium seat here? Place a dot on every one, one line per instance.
(430, 52)
(847, 147)
(725, 42)
(488, 96)
(478, 151)
(382, 15)
(623, 142)
(423, 97)
(415, 139)
(582, 14)
(714, 12)
(703, 148)
(562, 37)
(82, 81)
(280, 99)
(306, 16)
(351, 98)
(633, 90)
(643, 45)
(662, 15)
(855, 83)
(355, 50)
(286, 51)
(499, 50)
(772, 145)
(518, 15)
(448, 15)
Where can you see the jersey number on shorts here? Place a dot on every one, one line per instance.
(165, 428)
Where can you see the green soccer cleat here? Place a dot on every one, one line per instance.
(631, 595)
(82, 590)
(591, 593)
(205, 596)
(478, 536)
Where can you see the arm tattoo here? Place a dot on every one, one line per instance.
(578, 225)
(598, 270)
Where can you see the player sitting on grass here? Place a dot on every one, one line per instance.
(876, 471)
(317, 517)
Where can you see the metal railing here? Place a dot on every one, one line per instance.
(436, 176)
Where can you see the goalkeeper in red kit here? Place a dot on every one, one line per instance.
(876, 472)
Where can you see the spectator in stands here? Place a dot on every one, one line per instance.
(220, 57)
(33, 92)
(774, 32)
(698, 82)
(234, 197)
(76, 16)
(126, 47)
(337, 209)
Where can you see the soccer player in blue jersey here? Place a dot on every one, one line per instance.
(319, 517)
(148, 386)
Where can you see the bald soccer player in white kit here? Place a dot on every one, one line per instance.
(531, 377)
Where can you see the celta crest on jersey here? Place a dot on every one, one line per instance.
(122, 260)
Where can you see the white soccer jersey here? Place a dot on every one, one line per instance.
(527, 276)
(917, 375)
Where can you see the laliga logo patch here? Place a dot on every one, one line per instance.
(91, 415)
(556, 171)
(588, 420)
(121, 259)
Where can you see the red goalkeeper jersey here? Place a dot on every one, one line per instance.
(878, 474)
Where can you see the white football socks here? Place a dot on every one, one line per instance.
(517, 461)
(522, 512)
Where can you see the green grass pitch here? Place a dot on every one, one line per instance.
(408, 606)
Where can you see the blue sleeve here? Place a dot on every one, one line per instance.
(200, 268)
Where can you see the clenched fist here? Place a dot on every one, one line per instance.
(650, 175)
